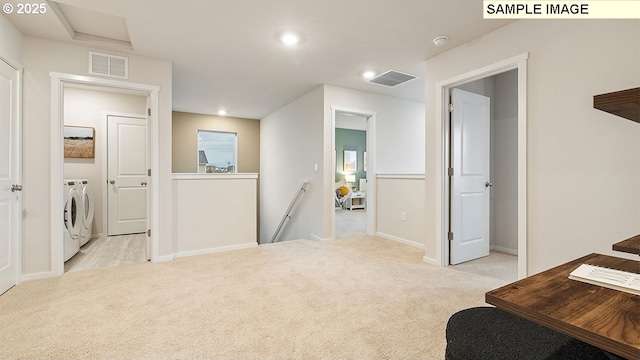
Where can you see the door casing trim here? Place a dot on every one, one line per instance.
(58, 80)
(371, 166)
(443, 88)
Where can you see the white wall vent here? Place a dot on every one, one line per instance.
(108, 65)
(392, 78)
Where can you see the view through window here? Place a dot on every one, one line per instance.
(217, 152)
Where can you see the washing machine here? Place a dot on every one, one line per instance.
(72, 221)
(87, 210)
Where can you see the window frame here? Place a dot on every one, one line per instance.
(235, 150)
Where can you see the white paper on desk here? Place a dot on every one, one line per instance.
(609, 278)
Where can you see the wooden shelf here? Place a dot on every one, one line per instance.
(625, 103)
(631, 245)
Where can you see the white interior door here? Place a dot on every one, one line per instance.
(127, 175)
(470, 182)
(10, 196)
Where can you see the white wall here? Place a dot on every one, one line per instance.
(401, 194)
(11, 44)
(10, 41)
(583, 164)
(291, 144)
(350, 122)
(85, 107)
(399, 127)
(214, 212)
(40, 57)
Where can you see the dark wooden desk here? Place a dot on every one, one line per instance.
(631, 245)
(608, 319)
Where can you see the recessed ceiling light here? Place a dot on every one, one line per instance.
(368, 74)
(222, 112)
(440, 40)
(289, 38)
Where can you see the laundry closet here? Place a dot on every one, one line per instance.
(87, 113)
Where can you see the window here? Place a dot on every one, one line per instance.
(217, 152)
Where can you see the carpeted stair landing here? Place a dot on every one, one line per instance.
(358, 297)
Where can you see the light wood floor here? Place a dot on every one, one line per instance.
(110, 251)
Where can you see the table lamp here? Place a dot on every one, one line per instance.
(350, 179)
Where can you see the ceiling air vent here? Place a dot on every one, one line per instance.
(392, 78)
(108, 65)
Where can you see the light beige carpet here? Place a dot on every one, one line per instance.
(355, 298)
(350, 222)
(497, 265)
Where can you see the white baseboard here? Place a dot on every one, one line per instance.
(318, 238)
(505, 250)
(97, 236)
(164, 258)
(215, 250)
(430, 261)
(37, 276)
(400, 240)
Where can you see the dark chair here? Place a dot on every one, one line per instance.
(487, 333)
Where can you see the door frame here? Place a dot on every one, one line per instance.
(371, 167)
(58, 80)
(443, 89)
(16, 245)
(105, 172)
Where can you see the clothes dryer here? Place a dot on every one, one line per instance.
(72, 220)
(87, 206)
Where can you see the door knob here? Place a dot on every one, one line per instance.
(488, 184)
(144, 183)
(112, 182)
(15, 188)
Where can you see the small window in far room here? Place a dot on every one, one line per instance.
(217, 152)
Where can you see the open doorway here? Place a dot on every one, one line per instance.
(149, 94)
(498, 200)
(350, 174)
(353, 166)
(483, 183)
(112, 211)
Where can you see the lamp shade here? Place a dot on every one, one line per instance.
(350, 178)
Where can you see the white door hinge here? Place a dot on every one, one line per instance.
(451, 107)
(450, 236)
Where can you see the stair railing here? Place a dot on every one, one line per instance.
(287, 216)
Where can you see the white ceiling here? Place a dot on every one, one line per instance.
(225, 53)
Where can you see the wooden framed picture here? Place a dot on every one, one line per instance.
(350, 160)
(79, 142)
